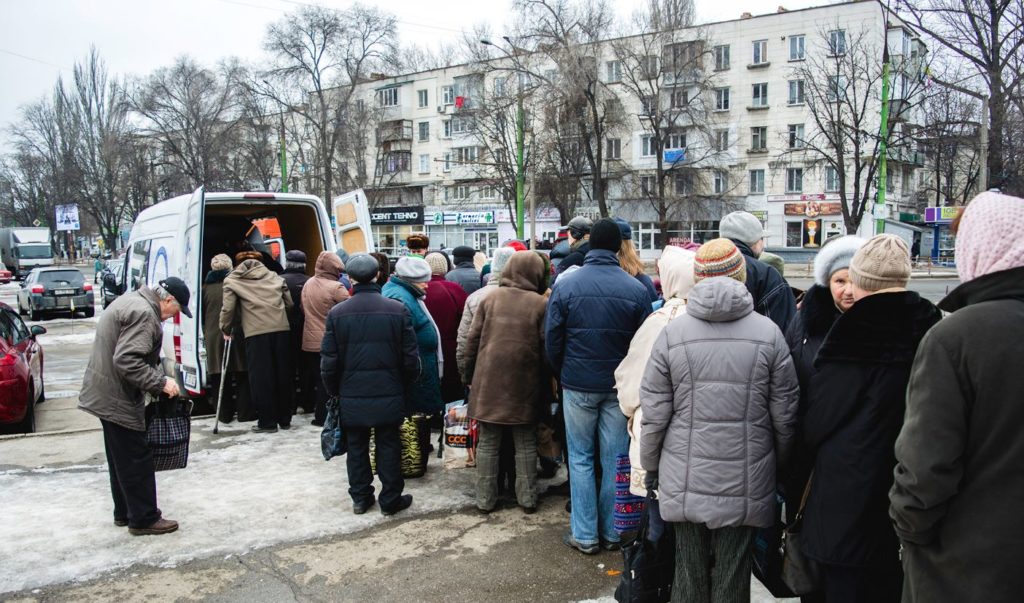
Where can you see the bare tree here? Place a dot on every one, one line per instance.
(950, 139)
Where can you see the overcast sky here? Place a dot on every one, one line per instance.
(43, 38)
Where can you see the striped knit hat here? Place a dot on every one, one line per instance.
(719, 257)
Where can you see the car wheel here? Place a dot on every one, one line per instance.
(35, 315)
(21, 311)
(90, 312)
(28, 424)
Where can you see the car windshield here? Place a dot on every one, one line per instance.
(62, 277)
(33, 252)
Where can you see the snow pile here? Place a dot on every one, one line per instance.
(244, 491)
(85, 338)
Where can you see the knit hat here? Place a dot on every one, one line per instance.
(624, 228)
(297, 256)
(463, 253)
(413, 270)
(438, 263)
(516, 245)
(363, 267)
(882, 262)
(741, 226)
(606, 235)
(835, 254)
(501, 257)
(221, 261)
(719, 257)
(991, 236)
(774, 261)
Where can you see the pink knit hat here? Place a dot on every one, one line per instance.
(991, 236)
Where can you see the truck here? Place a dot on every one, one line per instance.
(24, 248)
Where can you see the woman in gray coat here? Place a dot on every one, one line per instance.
(719, 400)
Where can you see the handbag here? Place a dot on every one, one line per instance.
(767, 558)
(413, 460)
(168, 430)
(332, 438)
(801, 574)
(649, 559)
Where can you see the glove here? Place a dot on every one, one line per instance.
(651, 480)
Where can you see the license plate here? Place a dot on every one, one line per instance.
(64, 291)
(190, 378)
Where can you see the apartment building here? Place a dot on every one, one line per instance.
(433, 171)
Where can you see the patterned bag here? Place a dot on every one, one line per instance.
(457, 439)
(414, 462)
(168, 429)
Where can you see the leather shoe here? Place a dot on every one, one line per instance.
(529, 510)
(403, 503)
(121, 523)
(362, 507)
(160, 526)
(286, 427)
(258, 429)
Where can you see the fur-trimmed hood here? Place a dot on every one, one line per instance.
(884, 328)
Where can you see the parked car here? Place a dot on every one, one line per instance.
(21, 372)
(5, 276)
(112, 278)
(55, 289)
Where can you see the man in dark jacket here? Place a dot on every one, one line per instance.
(592, 316)
(295, 277)
(125, 365)
(465, 273)
(772, 296)
(368, 358)
(579, 243)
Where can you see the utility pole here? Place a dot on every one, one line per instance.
(520, 175)
(284, 163)
(883, 135)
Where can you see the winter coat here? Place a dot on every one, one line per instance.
(772, 295)
(648, 284)
(368, 357)
(295, 279)
(466, 276)
(259, 296)
(959, 489)
(676, 266)
(424, 395)
(591, 318)
(319, 295)
(505, 348)
(472, 303)
(445, 302)
(213, 300)
(857, 398)
(125, 361)
(577, 254)
(719, 398)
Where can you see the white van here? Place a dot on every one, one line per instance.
(179, 237)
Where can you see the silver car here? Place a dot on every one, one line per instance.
(55, 289)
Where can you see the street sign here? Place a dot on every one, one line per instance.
(67, 217)
(36, 222)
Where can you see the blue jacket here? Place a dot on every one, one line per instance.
(591, 318)
(424, 395)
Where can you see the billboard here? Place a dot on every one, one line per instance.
(67, 217)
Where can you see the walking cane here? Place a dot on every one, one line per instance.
(223, 378)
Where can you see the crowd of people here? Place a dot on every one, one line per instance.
(893, 432)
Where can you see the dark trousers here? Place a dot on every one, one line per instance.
(132, 479)
(712, 566)
(389, 464)
(313, 386)
(236, 397)
(881, 584)
(270, 379)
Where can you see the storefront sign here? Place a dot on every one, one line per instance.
(940, 215)
(812, 233)
(814, 197)
(762, 216)
(813, 209)
(398, 216)
(463, 217)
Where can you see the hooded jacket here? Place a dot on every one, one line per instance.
(424, 395)
(466, 276)
(676, 268)
(213, 301)
(445, 301)
(319, 295)
(959, 484)
(856, 404)
(719, 398)
(259, 296)
(772, 295)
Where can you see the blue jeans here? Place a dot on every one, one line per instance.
(593, 420)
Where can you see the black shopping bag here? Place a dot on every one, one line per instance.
(168, 430)
(332, 438)
(649, 559)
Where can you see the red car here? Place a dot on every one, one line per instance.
(21, 372)
(5, 276)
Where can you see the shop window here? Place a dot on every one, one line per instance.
(794, 234)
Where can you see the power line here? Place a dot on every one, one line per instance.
(35, 60)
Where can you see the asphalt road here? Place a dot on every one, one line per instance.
(932, 289)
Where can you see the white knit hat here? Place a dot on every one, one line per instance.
(835, 255)
(413, 270)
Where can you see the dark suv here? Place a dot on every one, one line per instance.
(55, 289)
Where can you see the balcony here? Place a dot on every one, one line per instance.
(395, 131)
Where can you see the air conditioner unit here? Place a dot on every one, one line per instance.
(442, 108)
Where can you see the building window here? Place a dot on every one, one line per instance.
(489, 193)
(836, 88)
(460, 125)
(459, 192)
(760, 98)
(721, 140)
(831, 179)
(447, 95)
(721, 57)
(499, 87)
(613, 148)
(684, 184)
(795, 180)
(424, 131)
(389, 97)
(614, 71)
(447, 128)
(647, 146)
(421, 98)
(647, 185)
(466, 154)
(721, 99)
(675, 140)
(680, 98)
(720, 182)
(837, 42)
(649, 66)
(796, 136)
(796, 92)
(648, 105)
(796, 48)
(794, 234)
(424, 164)
(756, 182)
(759, 138)
(760, 52)
(447, 161)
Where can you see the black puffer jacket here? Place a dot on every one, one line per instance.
(577, 253)
(772, 295)
(857, 400)
(369, 355)
(295, 279)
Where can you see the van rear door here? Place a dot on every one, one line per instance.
(352, 222)
(186, 346)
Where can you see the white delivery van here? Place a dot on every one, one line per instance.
(179, 237)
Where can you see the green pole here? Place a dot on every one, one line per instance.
(520, 175)
(284, 165)
(883, 134)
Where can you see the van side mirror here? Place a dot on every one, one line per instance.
(110, 282)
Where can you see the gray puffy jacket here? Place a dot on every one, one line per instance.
(719, 399)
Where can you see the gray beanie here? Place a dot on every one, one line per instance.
(413, 270)
(362, 267)
(741, 226)
(501, 257)
(835, 254)
(883, 262)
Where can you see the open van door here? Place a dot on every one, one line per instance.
(352, 223)
(186, 330)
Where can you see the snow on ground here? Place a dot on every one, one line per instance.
(69, 339)
(244, 491)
